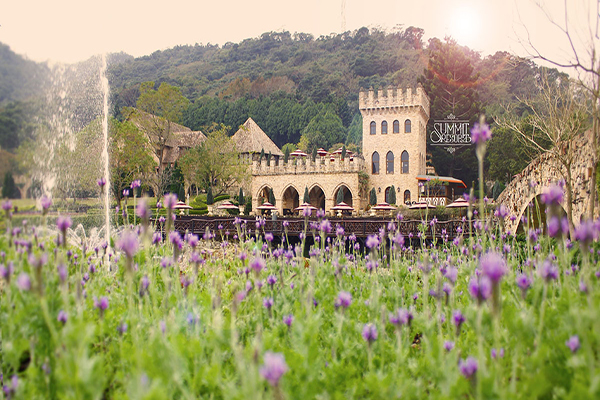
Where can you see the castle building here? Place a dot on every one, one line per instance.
(394, 149)
(395, 140)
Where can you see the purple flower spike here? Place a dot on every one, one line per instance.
(553, 196)
(128, 243)
(344, 300)
(170, 201)
(62, 317)
(523, 282)
(468, 367)
(258, 264)
(273, 368)
(369, 333)
(480, 288)
(458, 319)
(269, 237)
(101, 182)
(136, 184)
(573, 343)
(271, 280)
(548, 271)
(7, 205)
(493, 266)
(288, 319)
(268, 303)
(480, 133)
(24, 282)
(448, 345)
(45, 202)
(63, 223)
(372, 241)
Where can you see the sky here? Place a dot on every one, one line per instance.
(74, 30)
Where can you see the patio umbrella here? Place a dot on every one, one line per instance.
(458, 203)
(342, 207)
(227, 205)
(421, 205)
(182, 206)
(384, 207)
(298, 153)
(267, 206)
(339, 151)
(305, 206)
(321, 152)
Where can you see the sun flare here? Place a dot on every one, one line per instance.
(465, 25)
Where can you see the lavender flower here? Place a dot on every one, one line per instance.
(548, 271)
(468, 367)
(101, 182)
(62, 317)
(288, 319)
(258, 264)
(372, 241)
(269, 237)
(553, 196)
(573, 343)
(401, 317)
(271, 280)
(493, 266)
(136, 184)
(45, 202)
(524, 283)
(273, 368)
(480, 288)
(63, 223)
(344, 300)
(268, 303)
(128, 243)
(480, 133)
(23, 282)
(458, 319)
(448, 345)
(170, 201)
(101, 304)
(369, 333)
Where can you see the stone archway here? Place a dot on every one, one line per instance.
(263, 194)
(347, 194)
(317, 197)
(290, 199)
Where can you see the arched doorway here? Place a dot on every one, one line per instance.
(263, 195)
(317, 197)
(346, 196)
(290, 200)
(407, 197)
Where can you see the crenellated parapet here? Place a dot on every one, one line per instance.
(322, 165)
(394, 98)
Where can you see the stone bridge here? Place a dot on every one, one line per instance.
(545, 170)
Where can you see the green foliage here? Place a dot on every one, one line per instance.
(269, 159)
(343, 152)
(325, 129)
(241, 199)
(313, 155)
(286, 154)
(21, 78)
(372, 197)
(497, 189)
(355, 131)
(392, 195)
(271, 196)
(340, 196)
(306, 198)
(262, 155)
(9, 188)
(210, 200)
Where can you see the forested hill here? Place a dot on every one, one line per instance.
(304, 90)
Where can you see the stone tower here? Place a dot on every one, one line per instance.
(395, 140)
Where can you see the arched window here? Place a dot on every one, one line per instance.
(396, 126)
(407, 126)
(407, 197)
(375, 163)
(404, 159)
(389, 163)
(384, 128)
(373, 128)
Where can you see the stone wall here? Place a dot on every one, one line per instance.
(543, 171)
(327, 175)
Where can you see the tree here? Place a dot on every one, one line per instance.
(9, 188)
(241, 200)
(164, 107)
(449, 81)
(355, 131)
(271, 196)
(313, 156)
(340, 196)
(325, 129)
(392, 195)
(584, 60)
(306, 198)
(262, 155)
(343, 152)
(557, 118)
(373, 197)
(286, 155)
(214, 164)
(210, 200)
(129, 155)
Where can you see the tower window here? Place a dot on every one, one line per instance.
(375, 163)
(384, 128)
(389, 162)
(407, 197)
(404, 159)
(396, 126)
(407, 126)
(373, 128)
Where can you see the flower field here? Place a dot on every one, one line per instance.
(231, 315)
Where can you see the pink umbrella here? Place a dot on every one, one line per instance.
(342, 207)
(321, 152)
(180, 205)
(384, 206)
(421, 205)
(298, 153)
(305, 206)
(227, 205)
(458, 203)
(267, 206)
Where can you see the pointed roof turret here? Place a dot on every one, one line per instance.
(251, 139)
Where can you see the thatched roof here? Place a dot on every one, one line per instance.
(251, 139)
(181, 138)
